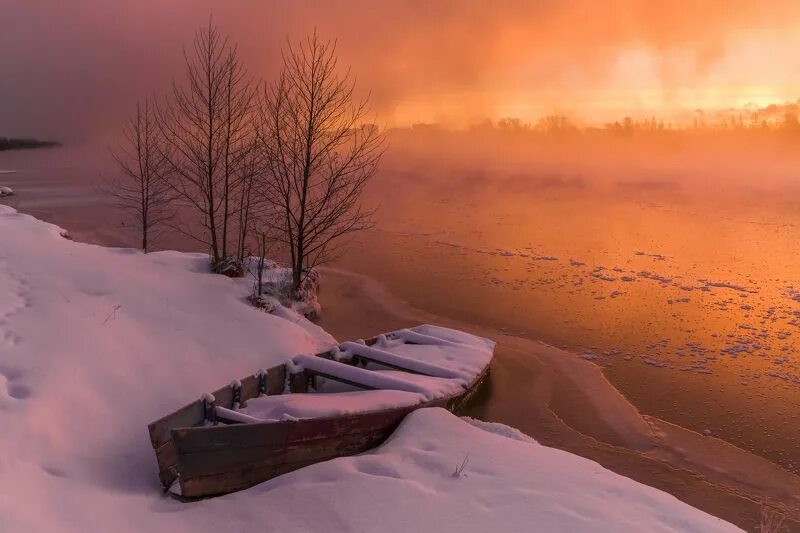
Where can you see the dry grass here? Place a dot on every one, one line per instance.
(772, 518)
(459, 471)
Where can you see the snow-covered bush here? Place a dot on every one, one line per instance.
(229, 266)
(304, 299)
(267, 304)
(277, 284)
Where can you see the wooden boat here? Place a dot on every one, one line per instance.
(358, 394)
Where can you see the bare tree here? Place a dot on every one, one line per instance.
(239, 162)
(250, 209)
(207, 126)
(141, 189)
(319, 151)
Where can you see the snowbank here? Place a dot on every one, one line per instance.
(96, 342)
(409, 484)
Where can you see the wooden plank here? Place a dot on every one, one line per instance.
(226, 470)
(223, 396)
(340, 380)
(186, 416)
(219, 461)
(202, 438)
(249, 388)
(218, 484)
(192, 414)
(276, 380)
(298, 382)
(389, 365)
(167, 459)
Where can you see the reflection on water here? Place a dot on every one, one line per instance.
(690, 301)
(692, 305)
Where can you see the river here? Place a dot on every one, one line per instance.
(688, 297)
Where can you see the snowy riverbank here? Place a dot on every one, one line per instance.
(97, 342)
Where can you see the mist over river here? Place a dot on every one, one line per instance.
(674, 267)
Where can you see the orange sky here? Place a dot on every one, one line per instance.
(85, 62)
(595, 60)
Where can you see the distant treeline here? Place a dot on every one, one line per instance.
(783, 119)
(25, 144)
(559, 126)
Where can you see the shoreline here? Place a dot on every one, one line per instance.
(572, 405)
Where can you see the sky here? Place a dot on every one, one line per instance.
(75, 69)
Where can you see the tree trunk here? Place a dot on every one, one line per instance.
(297, 269)
(225, 222)
(261, 261)
(212, 222)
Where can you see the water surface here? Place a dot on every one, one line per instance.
(688, 297)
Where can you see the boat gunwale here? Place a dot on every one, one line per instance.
(467, 390)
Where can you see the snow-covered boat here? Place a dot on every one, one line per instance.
(314, 408)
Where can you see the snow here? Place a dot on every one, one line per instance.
(236, 415)
(387, 357)
(429, 334)
(313, 405)
(427, 386)
(457, 351)
(95, 343)
(500, 429)
(408, 484)
(447, 361)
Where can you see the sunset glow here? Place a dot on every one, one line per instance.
(749, 70)
(446, 266)
(450, 62)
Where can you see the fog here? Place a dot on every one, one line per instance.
(73, 70)
(703, 164)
